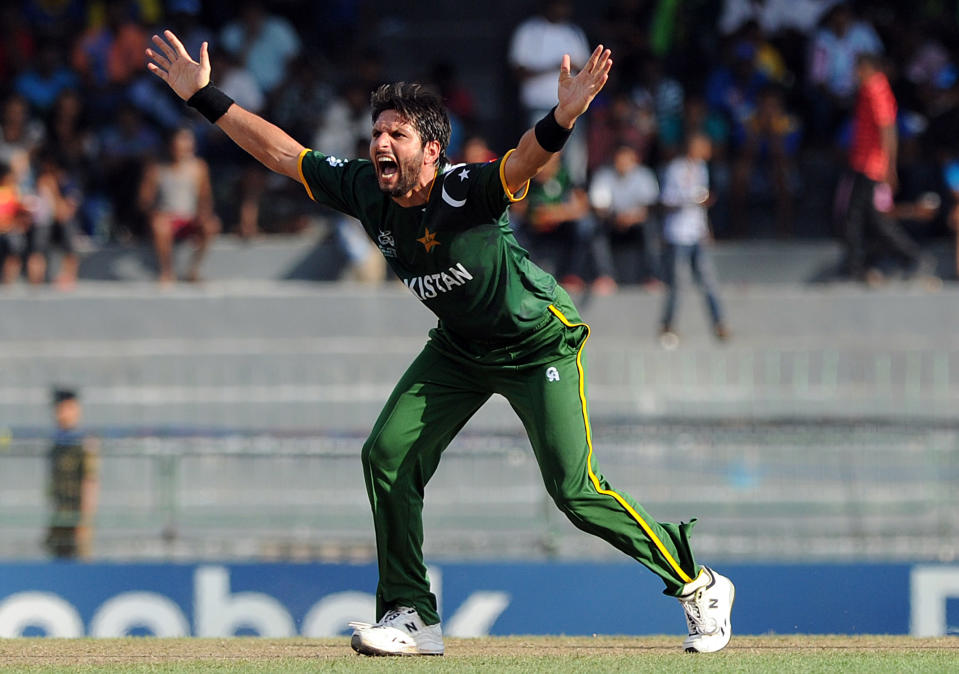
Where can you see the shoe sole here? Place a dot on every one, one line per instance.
(732, 600)
(357, 645)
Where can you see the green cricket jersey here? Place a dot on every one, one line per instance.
(456, 253)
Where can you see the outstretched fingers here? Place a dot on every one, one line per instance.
(175, 41)
(158, 71)
(593, 59)
(160, 64)
(599, 61)
(164, 47)
(159, 59)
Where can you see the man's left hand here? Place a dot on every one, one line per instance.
(576, 93)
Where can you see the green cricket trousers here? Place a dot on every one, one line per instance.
(543, 377)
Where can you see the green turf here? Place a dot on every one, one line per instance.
(514, 654)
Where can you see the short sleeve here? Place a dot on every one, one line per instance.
(330, 180)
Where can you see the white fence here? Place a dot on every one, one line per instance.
(762, 491)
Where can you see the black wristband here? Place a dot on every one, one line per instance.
(549, 134)
(210, 102)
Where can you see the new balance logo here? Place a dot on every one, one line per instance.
(552, 374)
(410, 627)
(713, 603)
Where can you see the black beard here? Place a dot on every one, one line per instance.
(408, 176)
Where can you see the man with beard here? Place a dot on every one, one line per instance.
(505, 327)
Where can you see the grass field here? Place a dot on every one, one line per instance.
(496, 654)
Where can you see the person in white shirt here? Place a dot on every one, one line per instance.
(624, 194)
(264, 42)
(686, 197)
(536, 48)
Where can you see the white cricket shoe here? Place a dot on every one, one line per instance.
(708, 601)
(400, 632)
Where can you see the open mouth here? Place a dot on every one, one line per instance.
(387, 166)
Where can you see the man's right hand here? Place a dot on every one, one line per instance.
(176, 67)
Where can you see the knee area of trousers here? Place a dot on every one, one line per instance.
(379, 450)
(568, 502)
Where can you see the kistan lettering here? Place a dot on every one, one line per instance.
(429, 286)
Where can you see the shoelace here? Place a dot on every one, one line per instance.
(390, 616)
(694, 614)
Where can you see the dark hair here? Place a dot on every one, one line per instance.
(59, 395)
(420, 107)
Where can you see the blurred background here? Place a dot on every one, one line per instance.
(229, 360)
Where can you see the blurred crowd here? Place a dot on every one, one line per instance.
(95, 150)
(775, 85)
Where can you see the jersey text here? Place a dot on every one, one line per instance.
(431, 285)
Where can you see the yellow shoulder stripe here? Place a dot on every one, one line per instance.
(299, 167)
(502, 178)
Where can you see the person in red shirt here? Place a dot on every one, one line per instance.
(866, 191)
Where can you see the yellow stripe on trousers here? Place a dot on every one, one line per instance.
(589, 457)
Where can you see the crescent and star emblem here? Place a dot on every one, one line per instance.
(455, 203)
(462, 175)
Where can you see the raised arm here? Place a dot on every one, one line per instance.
(575, 95)
(266, 142)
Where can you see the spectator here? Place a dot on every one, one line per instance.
(832, 66)
(263, 42)
(303, 96)
(78, 154)
(178, 201)
(46, 79)
(660, 94)
(618, 120)
(733, 89)
(111, 54)
(345, 121)
(74, 481)
(556, 214)
(771, 141)
(14, 223)
(125, 146)
(20, 136)
(68, 131)
(686, 197)
(54, 222)
(536, 48)
(772, 16)
(768, 60)
(698, 117)
(624, 195)
(865, 193)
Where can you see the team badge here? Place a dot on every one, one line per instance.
(428, 240)
(552, 374)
